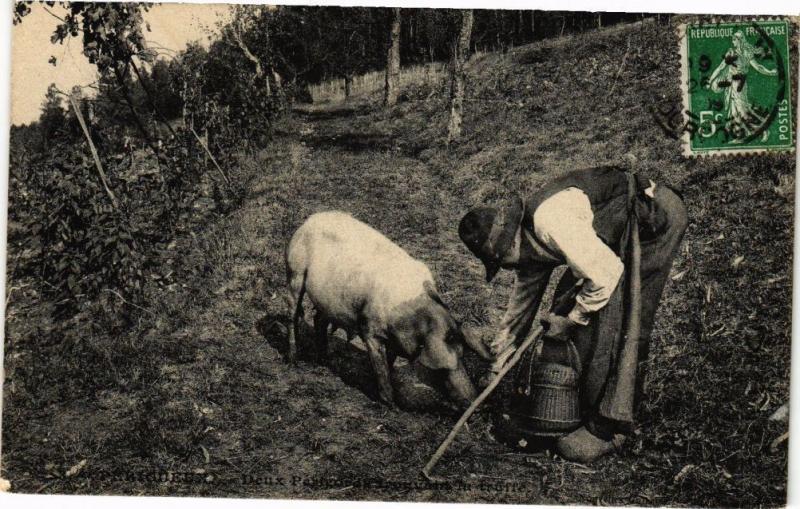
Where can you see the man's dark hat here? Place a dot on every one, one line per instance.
(489, 232)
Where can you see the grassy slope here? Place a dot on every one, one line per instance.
(219, 398)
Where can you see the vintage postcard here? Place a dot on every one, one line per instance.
(399, 254)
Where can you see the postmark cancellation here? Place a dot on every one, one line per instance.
(736, 86)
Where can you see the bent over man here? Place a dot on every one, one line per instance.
(581, 219)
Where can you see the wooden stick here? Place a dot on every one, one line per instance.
(200, 141)
(778, 441)
(534, 335)
(619, 69)
(128, 302)
(94, 151)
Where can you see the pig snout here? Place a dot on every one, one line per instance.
(459, 386)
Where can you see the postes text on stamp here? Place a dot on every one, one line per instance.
(736, 87)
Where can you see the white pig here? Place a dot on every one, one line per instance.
(361, 281)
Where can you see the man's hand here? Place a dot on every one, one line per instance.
(558, 327)
(500, 342)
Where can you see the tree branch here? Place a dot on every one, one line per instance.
(151, 100)
(96, 157)
(48, 11)
(129, 100)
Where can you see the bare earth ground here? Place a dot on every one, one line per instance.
(201, 385)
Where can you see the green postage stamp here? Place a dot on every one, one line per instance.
(736, 87)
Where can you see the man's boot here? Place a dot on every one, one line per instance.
(581, 446)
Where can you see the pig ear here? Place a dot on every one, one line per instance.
(433, 294)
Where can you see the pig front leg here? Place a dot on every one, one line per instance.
(377, 356)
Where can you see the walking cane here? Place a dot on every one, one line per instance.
(532, 337)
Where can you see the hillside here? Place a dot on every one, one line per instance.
(203, 387)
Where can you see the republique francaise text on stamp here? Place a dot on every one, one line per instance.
(736, 87)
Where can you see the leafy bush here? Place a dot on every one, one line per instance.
(87, 245)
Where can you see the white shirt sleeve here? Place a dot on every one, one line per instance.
(563, 223)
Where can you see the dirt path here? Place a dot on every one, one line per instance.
(309, 430)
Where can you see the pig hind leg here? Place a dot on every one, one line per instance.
(321, 324)
(297, 289)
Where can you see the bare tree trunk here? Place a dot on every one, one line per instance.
(411, 36)
(498, 28)
(599, 20)
(90, 115)
(459, 56)
(185, 100)
(393, 61)
(237, 36)
(277, 82)
(348, 85)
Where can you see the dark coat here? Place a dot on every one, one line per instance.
(599, 343)
(662, 222)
